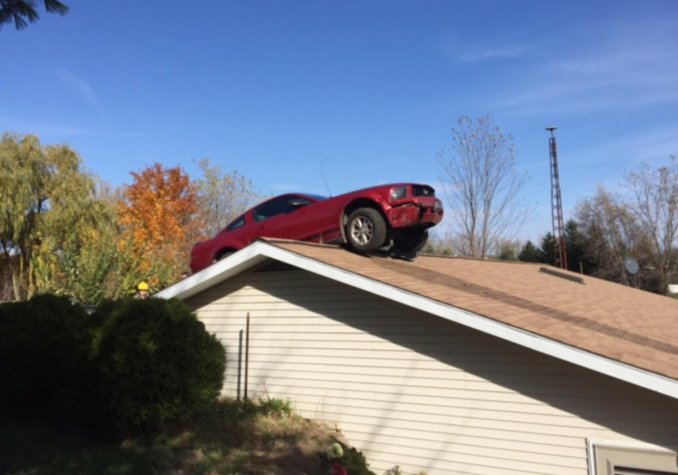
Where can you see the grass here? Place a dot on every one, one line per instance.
(229, 437)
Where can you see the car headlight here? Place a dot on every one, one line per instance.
(398, 193)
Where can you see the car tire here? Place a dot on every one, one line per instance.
(365, 230)
(411, 241)
(224, 255)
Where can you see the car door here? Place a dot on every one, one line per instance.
(301, 220)
(327, 219)
(286, 217)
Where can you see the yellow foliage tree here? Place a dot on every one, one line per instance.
(157, 215)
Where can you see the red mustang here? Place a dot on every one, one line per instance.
(395, 215)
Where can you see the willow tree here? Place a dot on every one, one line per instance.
(46, 202)
(483, 186)
(81, 261)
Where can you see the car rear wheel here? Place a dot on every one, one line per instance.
(224, 254)
(366, 230)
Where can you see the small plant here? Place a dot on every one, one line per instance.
(270, 407)
(342, 460)
(335, 451)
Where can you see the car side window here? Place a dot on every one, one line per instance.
(270, 209)
(284, 204)
(236, 223)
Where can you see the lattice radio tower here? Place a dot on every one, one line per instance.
(557, 202)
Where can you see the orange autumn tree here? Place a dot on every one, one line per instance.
(158, 214)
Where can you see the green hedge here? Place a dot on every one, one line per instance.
(133, 364)
(44, 345)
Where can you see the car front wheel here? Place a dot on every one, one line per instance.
(366, 230)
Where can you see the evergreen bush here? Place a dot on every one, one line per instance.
(155, 363)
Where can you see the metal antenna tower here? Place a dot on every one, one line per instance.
(557, 202)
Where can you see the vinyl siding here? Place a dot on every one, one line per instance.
(412, 389)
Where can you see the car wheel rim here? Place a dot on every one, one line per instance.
(362, 230)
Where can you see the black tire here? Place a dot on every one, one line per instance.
(411, 241)
(365, 230)
(224, 255)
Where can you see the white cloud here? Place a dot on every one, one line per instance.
(559, 101)
(284, 187)
(477, 54)
(41, 129)
(627, 68)
(474, 51)
(652, 146)
(79, 85)
(85, 90)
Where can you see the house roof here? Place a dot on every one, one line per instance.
(617, 330)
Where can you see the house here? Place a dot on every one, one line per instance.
(451, 365)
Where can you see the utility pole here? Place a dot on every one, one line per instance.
(557, 202)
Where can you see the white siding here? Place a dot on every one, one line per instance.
(411, 389)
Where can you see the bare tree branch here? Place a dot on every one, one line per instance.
(482, 186)
(655, 205)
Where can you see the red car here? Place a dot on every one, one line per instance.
(397, 216)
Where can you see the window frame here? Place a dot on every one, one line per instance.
(593, 447)
(274, 202)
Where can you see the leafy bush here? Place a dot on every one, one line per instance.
(44, 346)
(355, 462)
(155, 363)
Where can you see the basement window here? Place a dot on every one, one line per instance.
(610, 458)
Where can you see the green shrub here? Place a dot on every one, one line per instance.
(44, 345)
(354, 461)
(155, 363)
(268, 407)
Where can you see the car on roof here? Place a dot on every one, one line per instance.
(395, 216)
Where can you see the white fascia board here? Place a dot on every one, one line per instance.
(231, 266)
(260, 250)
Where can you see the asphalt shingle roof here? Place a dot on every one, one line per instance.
(618, 322)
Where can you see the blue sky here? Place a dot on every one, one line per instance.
(369, 90)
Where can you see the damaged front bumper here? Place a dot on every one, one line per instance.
(420, 212)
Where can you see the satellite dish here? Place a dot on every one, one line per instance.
(631, 265)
